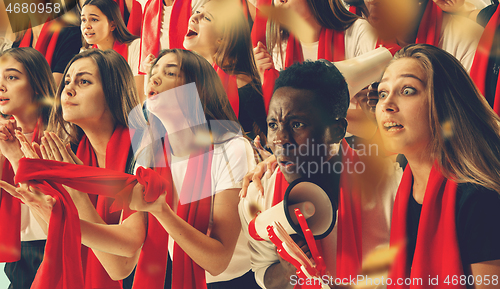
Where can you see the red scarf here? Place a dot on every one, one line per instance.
(121, 48)
(117, 152)
(135, 17)
(481, 59)
(62, 264)
(325, 49)
(259, 34)
(10, 212)
(194, 208)
(294, 53)
(46, 43)
(151, 27)
(231, 88)
(436, 251)
(429, 30)
(349, 235)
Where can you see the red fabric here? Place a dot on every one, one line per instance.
(231, 88)
(349, 235)
(151, 27)
(135, 17)
(150, 272)
(181, 12)
(47, 40)
(117, 152)
(10, 212)
(121, 48)
(429, 30)
(436, 251)
(294, 54)
(195, 209)
(481, 59)
(62, 265)
(327, 38)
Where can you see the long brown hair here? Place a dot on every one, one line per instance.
(118, 87)
(212, 95)
(235, 53)
(330, 14)
(40, 77)
(466, 130)
(112, 11)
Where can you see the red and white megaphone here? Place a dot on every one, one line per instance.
(364, 69)
(318, 208)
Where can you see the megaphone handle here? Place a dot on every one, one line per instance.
(304, 267)
(311, 242)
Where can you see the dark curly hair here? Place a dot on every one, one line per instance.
(322, 78)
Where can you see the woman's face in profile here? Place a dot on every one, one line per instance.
(403, 108)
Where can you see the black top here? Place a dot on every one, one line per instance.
(478, 224)
(68, 45)
(252, 109)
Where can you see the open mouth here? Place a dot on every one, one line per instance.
(191, 33)
(89, 34)
(152, 94)
(393, 126)
(4, 100)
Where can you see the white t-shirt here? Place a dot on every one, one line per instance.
(230, 162)
(30, 229)
(460, 37)
(359, 38)
(134, 53)
(376, 219)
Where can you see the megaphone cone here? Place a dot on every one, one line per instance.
(313, 202)
(364, 69)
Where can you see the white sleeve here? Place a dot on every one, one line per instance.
(360, 38)
(134, 50)
(234, 159)
(262, 253)
(460, 37)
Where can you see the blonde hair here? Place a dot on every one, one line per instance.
(466, 130)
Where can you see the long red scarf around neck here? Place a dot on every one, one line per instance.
(10, 212)
(62, 265)
(481, 58)
(331, 47)
(150, 272)
(429, 31)
(349, 234)
(259, 35)
(436, 251)
(117, 152)
(47, 41)
(194, 207)
(121, 48)
(151, 27)
(135, 18)
(231, 88)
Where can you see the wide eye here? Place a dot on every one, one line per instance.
(272, 125)
(409, 91)
(382, 94)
